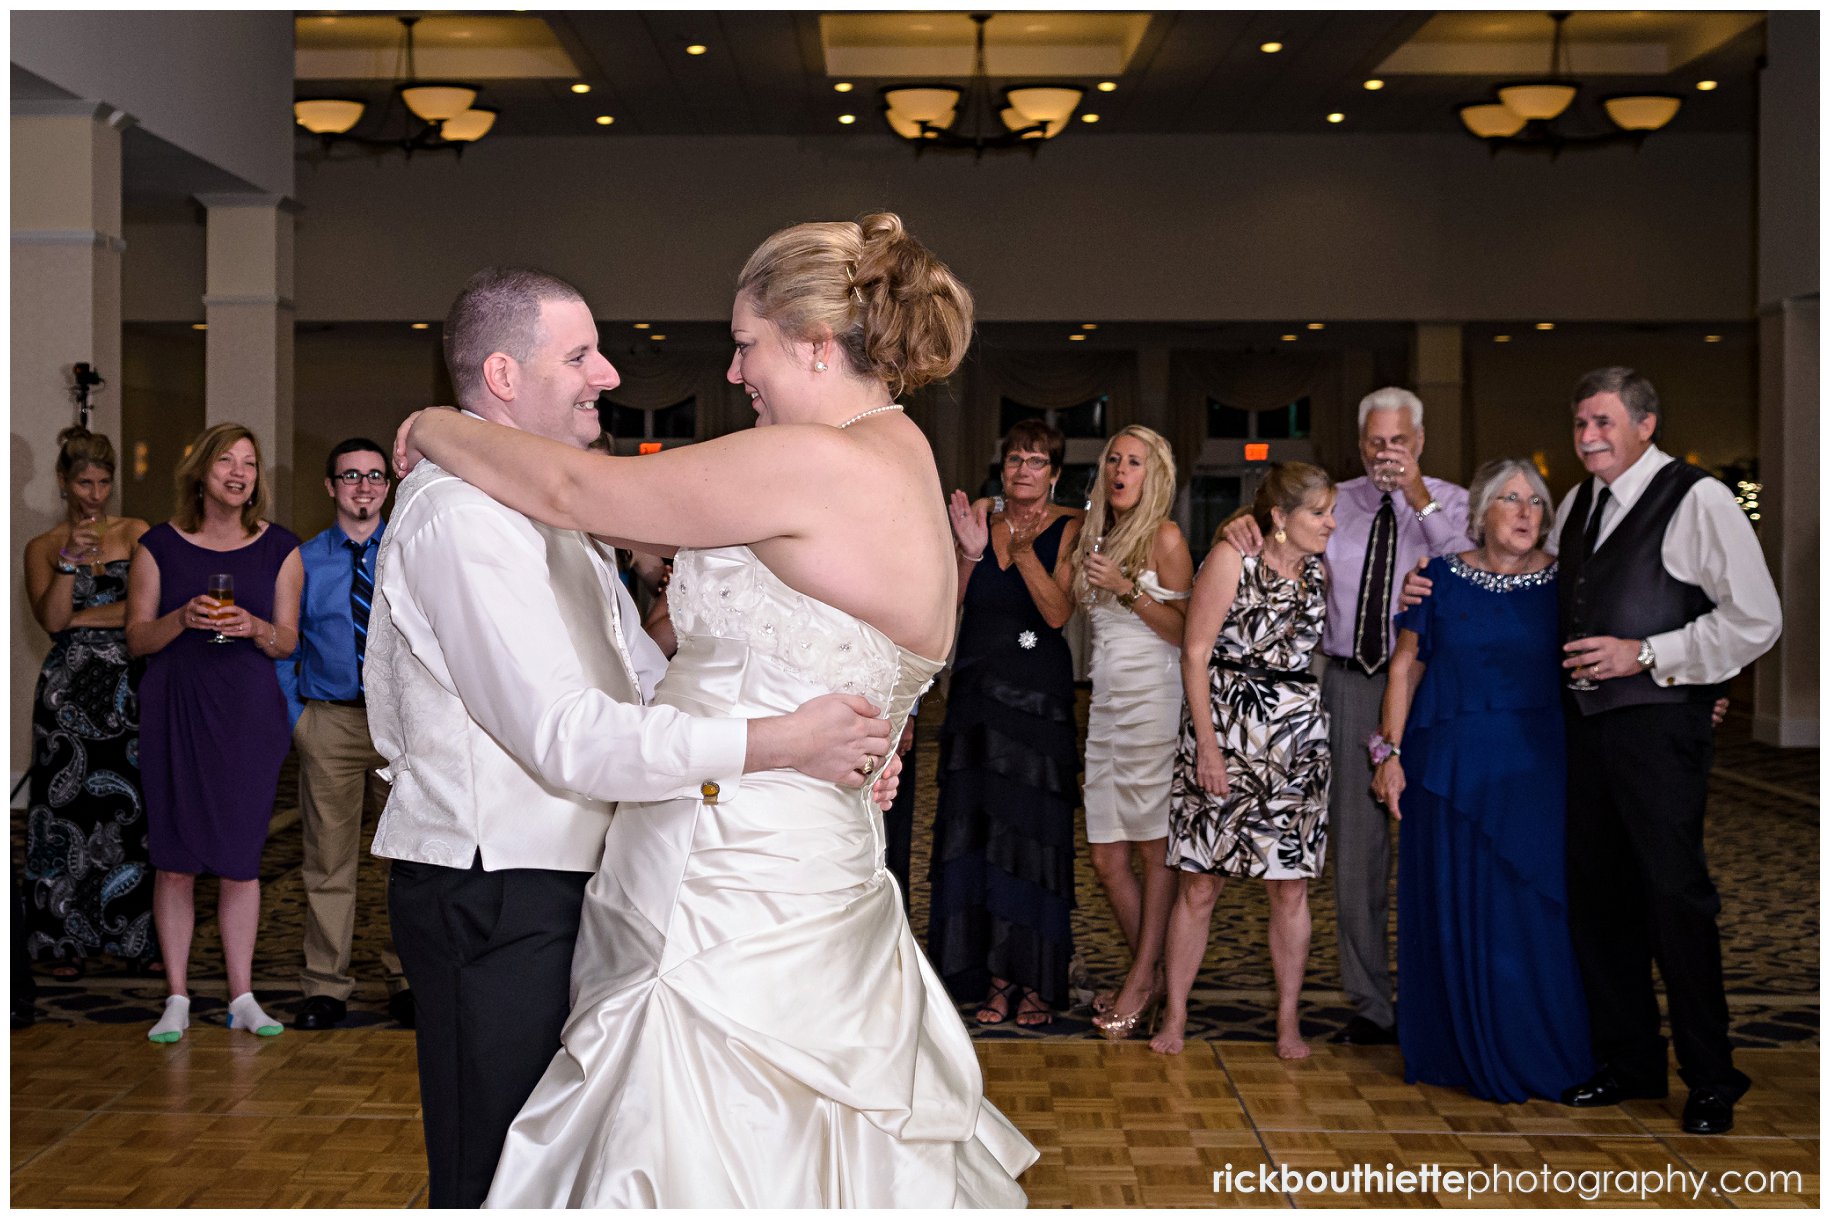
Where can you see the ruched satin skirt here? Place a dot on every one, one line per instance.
(1131, 728)
(754, 1025)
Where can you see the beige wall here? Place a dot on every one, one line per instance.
(1407, 228)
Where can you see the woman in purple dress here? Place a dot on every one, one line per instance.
(213, 724)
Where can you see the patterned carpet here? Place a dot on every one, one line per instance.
(1763, 808)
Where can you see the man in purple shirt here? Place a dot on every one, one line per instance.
(1389, 522)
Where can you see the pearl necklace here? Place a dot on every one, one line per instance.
(875, 410)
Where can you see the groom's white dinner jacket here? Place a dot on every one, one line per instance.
(506, 695)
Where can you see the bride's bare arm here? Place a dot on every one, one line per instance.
(735, 490)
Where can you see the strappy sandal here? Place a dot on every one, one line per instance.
(1007, 992)
(1033, 1017)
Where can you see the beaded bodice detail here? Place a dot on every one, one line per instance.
(1496, 582)
(727, 593)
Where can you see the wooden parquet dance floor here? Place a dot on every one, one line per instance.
(101, 1118)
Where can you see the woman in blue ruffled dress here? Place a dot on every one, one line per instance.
(1470, 753)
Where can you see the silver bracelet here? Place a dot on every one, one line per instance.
(1428, 508)
(970, 558)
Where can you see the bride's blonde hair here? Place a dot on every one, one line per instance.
(893, 308)
(1128, 540)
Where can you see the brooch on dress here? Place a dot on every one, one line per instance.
(1026, 640)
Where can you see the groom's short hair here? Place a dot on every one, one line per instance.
(498, 310)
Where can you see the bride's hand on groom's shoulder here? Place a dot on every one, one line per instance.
(883, 791)
(406, 456)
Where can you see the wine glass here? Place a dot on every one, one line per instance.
(222, 588)
(1092, 594)
(1576, 680)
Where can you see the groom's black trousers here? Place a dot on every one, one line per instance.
(489, 958)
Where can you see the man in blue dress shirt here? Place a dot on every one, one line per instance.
(337, 761)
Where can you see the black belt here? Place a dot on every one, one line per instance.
(1302, 675)
(360, 703)
(1353, 666)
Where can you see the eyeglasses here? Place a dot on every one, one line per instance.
(1511, 500)
(350, 478)
(1016, 461)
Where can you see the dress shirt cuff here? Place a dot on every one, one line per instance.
(1443, 533)
(1677, 661)
(715, 751)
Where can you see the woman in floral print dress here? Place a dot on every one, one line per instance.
(1249, 797)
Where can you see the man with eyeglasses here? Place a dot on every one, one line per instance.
(338, 783)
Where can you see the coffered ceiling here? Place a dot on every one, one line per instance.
(773, 73)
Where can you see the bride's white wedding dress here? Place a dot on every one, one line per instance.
(752, 1023)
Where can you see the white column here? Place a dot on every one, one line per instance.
(248, 374)
(1436, 361)
(66, 309)
(1786, 679)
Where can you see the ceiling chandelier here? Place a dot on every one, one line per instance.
(966, 120)
(435, 114)
(1527, 112)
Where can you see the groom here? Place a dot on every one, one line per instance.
(507, 676)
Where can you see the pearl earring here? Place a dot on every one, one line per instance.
(819, 366)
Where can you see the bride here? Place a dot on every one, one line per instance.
(752, 1023)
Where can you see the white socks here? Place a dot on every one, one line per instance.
(245, 1013)
(172, 1024)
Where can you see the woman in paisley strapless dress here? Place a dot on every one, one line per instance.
(752, 1021)
(1132, 573)
(88, 878)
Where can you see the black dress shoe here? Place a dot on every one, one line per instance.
(1361, 1031)
(400, 1006)
(1606, 1088)
(320, 1012)
(1710, 1111)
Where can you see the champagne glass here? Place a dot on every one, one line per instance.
(222, 588)
(1092, 594)
(1576, 680)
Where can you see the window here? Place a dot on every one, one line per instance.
(669, 423)
(1281, 423)
(1211, 499)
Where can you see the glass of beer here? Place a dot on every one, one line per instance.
(222, 588)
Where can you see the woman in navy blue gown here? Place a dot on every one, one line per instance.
(1001, 884)
(1487, 978)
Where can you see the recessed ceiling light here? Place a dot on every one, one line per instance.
(1107, 86)
(1089, 118)
(1547, 325)
(1706, 85)
(1077, 338)
(1317, 325)
(581, 87)
(848, 119)
(921, 27)
(843, 86)
(1373, 85)
(1502, 338)
(604, 120)
(697, 48)
(1712, 338)
(1037, 27)
(659, 338)
(1089, 325)
(1337, 117)
(641, 325)
(422, 325)
(1270, 48)
(1288, 338)
(200, 325)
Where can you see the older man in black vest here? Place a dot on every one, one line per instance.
(1664, 597)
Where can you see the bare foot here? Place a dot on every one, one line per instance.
(1169, 1038)
(1033, 1012)
(1102, 1001)
(1290, 1043)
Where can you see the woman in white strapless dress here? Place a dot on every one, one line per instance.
(1133, 572)
(752, 1021)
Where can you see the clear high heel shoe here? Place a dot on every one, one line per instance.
(1116, 1027)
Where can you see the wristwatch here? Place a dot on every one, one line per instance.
(1646, 659)
(1428, 508)
(1129, 600)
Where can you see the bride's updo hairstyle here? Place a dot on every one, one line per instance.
(893, 308)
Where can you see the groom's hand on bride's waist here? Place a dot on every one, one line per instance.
(836, 737)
